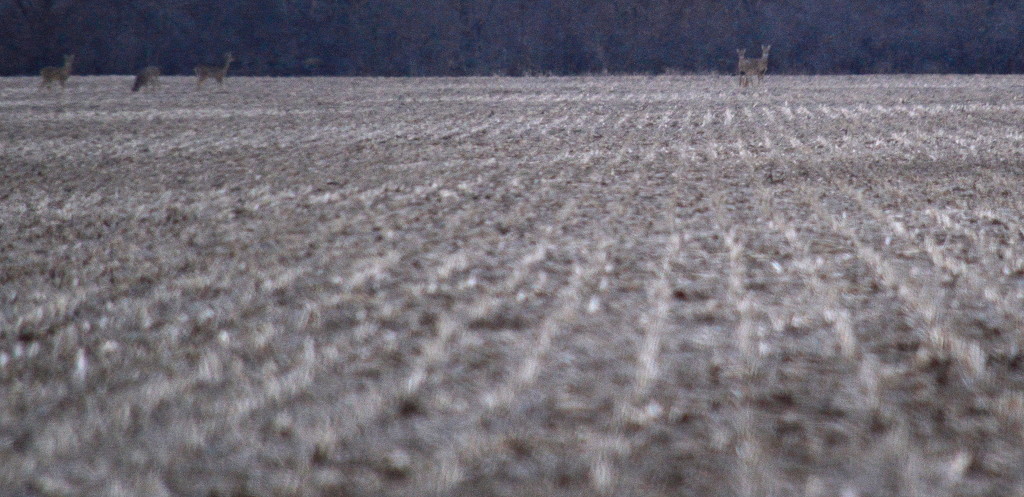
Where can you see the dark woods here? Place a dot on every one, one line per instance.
(513, 37)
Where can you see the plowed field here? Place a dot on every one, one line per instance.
(628, 286)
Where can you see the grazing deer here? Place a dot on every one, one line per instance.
(58, 74)
(752, 67)
(148, 76)
(203, 71)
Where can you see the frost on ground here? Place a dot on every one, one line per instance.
(491, 286)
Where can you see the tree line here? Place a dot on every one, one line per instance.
(512, 37)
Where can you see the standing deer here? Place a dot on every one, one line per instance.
(218, 73)
(745, 67)
(762, 63)
(148, 76)
(752, 67)
(58, 74)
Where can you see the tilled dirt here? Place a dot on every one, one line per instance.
(512, 286)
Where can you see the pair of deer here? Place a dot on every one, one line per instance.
(151, 74)
(147, 76)
(753, 67)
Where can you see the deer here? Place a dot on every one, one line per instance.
(150, 75)
(749, 68)
(745, 67)
(58, 74)
(204, 72)
(762, 63)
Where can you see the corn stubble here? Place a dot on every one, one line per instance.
(513, 286)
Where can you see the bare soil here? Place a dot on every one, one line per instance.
(628, 286)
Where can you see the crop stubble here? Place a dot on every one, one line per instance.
(512, 286)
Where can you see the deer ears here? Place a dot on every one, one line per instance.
(766, 48)
(741, 51)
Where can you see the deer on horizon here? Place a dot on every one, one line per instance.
(204, 72)
(150, 76)
(58, 74)
(748, 68)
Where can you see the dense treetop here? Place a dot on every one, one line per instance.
(484, 37)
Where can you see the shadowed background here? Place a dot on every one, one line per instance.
(512, 37)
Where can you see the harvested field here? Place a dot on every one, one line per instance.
(627, 286)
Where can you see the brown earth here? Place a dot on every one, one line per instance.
(512, 286)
